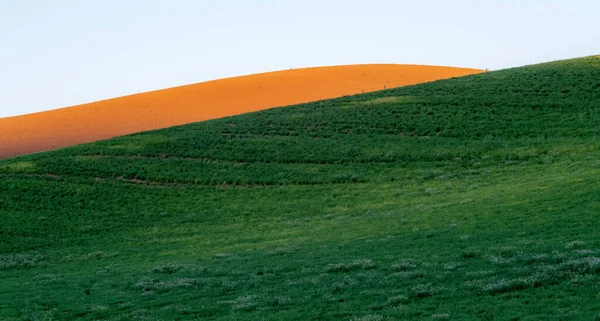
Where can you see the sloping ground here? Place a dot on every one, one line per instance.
(181, 105)
(474, 198)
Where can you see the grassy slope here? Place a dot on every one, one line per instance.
(470, 198)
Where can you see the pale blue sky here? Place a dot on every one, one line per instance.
(65, 52)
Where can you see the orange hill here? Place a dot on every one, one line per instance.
(202, 101)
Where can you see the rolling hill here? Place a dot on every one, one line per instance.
(473, 198)
(187, 104)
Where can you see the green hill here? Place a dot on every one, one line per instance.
(469, 198)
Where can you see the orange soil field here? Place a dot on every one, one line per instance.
(202, 101)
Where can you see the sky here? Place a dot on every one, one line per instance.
(66, 52)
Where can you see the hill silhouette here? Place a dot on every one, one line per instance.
(186, 104)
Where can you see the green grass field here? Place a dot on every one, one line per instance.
(475, 198)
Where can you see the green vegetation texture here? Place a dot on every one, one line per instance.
(474, 198)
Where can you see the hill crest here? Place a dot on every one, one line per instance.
(203, 101)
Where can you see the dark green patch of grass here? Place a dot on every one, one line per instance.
(470, 198)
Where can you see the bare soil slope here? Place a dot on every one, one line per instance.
(202, 101)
